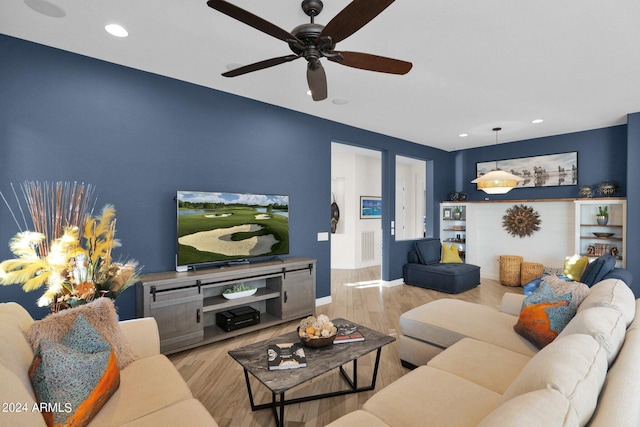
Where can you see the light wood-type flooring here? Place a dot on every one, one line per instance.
(218, 381)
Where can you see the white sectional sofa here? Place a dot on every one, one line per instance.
(473, 369)
(151, 392)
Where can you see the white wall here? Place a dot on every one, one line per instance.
(354, 172)
(487, 239)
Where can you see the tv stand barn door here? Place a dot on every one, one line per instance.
(185, 304)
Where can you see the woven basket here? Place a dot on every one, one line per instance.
(530, 271)
(510, 269)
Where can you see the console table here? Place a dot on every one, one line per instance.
(185, 304)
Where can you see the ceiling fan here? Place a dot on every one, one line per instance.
(314, 41)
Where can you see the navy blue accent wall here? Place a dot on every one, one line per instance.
(602, 155)
(139, 137)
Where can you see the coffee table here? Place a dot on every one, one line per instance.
(253, 359)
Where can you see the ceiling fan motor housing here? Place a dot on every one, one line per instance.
(314, 48)
(312, 7)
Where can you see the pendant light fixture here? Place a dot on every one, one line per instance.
(497, 181)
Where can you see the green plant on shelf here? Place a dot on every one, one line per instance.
(603, 211)
(240, 287)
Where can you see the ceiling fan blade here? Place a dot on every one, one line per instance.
(317, 80)
(251, 20)
(259, 65)
(366, 61)
(353, 17)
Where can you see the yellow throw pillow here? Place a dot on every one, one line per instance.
(450, 254)
(574, 267)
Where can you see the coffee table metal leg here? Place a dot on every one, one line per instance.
(246, 378)
(277, 405)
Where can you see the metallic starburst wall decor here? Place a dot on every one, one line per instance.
(521, 221)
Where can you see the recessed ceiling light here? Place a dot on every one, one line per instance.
(309, 92)
(46, 8)
(116, 30)
(537, 121)
(463, 135)
(340, 101)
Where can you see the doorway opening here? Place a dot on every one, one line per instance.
(356, 232)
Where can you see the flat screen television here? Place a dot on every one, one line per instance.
(222, 227)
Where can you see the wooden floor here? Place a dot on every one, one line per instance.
(218, 381)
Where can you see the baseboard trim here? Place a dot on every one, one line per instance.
(323, 301)
(392, 283)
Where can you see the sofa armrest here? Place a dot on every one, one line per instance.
(512, 303)
(142, 336)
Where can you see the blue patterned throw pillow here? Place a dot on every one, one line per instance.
(73, 379)
(548, 310)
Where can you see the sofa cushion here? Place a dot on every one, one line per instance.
(413, 400)
(618, 400)
(574, 266)
(548, 310)
(429, 251)
(101, 314)
(597, 269)
(605, 324)
(77, 384)
(152, 383)
(14, 391)
(188, 412)
(446, 321)
(412, 257)
(450, 254)
(485, 364)
(358, 418)
(545, 407)
(612, 293)
(575, 365)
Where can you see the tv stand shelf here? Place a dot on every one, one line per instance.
(185, 304)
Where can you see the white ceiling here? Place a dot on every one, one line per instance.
(476, 64)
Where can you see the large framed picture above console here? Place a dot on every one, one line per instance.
(538, 171)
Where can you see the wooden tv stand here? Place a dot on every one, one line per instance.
(185, 304)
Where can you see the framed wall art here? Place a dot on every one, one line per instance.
(538, 171)
(370, 207)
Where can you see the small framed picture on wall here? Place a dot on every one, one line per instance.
(370, 207)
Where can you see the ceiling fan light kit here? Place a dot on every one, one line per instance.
(313, 41)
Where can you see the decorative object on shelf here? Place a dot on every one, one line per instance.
(317, 331)
(70, 253)
(447, 213)
(239, 291)
(457, 212)
(335, 214)
(614, 251)
(458, 197)
(608, 189)
(603, 215)
(521, 221)
(585, 191)
(496, 181)
(603, 234)
(539, 171)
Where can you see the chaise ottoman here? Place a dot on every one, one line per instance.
(424, 269)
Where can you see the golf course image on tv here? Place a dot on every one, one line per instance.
(217, 227)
